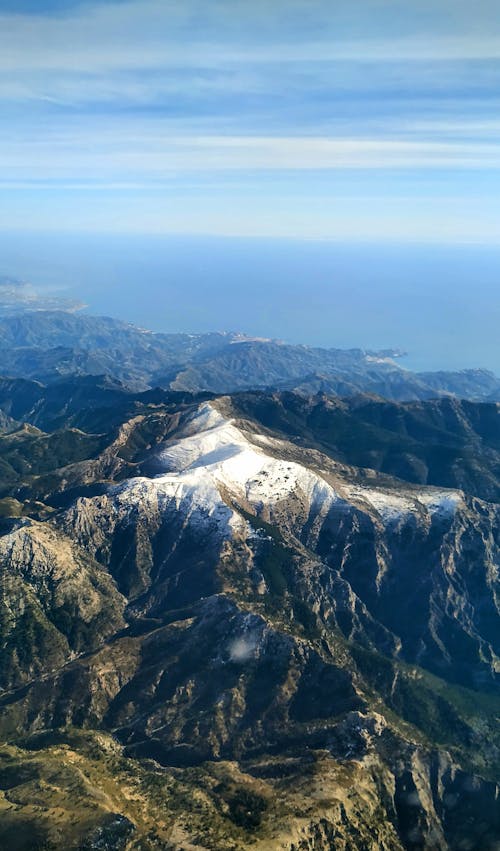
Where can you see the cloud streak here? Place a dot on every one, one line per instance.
(121, 151)
(112, 36)
(135, 96)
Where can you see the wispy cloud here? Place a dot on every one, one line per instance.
(108, 36)
(123, 150)
(130, 96)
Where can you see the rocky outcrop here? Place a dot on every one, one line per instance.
(55, 602)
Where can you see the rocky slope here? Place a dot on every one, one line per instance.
(311, 652)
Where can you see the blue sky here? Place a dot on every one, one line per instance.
(373, 120)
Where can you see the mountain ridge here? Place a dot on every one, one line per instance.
(48, 344)
(307, 647)
(248, 594)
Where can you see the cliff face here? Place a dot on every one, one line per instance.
(311, 648)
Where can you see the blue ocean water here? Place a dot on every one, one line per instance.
(441, 304)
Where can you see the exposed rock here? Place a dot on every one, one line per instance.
(308, 648)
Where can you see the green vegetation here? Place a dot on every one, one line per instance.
(10, 507)
(447, 715)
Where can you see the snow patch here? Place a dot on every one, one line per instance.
(211, 454)
(211, 446)
(441, 502)
(391, 506)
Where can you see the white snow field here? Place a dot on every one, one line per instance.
(211, 455)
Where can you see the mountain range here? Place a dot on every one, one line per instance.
(47, 344)
(249, 595)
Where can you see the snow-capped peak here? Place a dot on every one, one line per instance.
(211, 457)
(210, 445)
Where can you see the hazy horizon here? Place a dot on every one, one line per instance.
(325, 173)
(438, 303)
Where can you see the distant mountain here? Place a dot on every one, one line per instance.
(257, 620)
(47, 344)
(17, 296)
